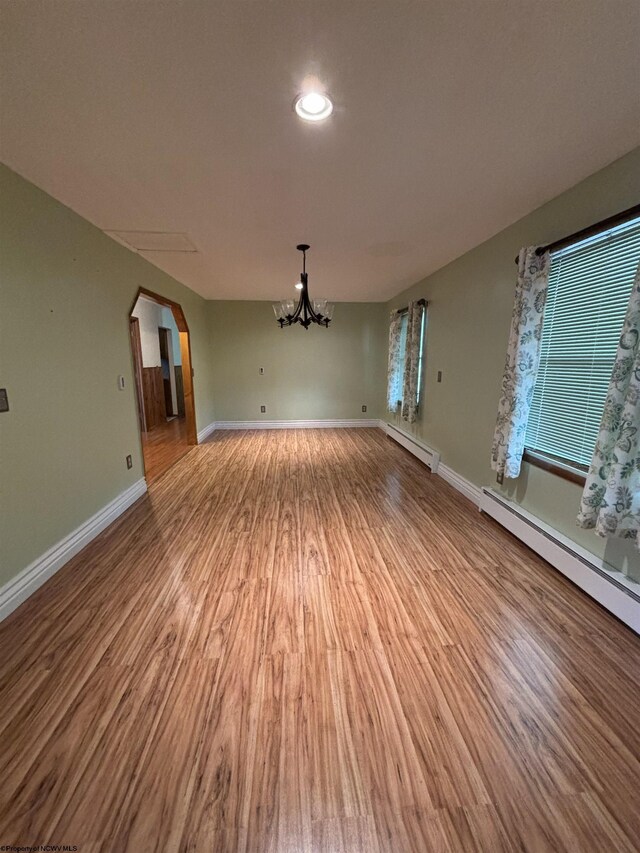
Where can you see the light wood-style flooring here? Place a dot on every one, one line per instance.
(163, 446)
(304, 641)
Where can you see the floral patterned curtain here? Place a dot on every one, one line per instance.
(412, 362)
(395, 365)
(521, 366)
(611, 499)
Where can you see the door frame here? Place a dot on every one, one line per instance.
(166, 336)
(185, 352)
(136, 352)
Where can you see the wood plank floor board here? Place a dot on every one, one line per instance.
(343, 835)
(329, 796)
(221, 794)
(450, 773)
(303, 640)
(90, 813)
(48, 778)
(157, 802)
(386, 753)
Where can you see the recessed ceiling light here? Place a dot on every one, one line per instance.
(313, 106)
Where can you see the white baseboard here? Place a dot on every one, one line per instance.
(206, 432)
(27, 582)
(610, 588)
(419, 449)
(468, 489)
(431, 459)
(356, 422)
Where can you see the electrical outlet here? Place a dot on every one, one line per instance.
(129, 461)
(263, 409)
(364, 408)
(262, 371)
(439, 376)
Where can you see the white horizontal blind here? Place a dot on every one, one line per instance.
(589, 288)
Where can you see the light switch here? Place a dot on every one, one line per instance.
(121, 383)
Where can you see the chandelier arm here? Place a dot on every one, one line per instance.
(295, 317)
(305, 299)
(314, 318)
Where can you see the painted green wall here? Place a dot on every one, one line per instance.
(315, 374)
(470, 302)
(66, 292)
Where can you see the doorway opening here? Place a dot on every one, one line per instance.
(163, 376)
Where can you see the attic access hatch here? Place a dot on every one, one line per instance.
(154, 241)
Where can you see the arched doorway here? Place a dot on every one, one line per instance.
(163, 375)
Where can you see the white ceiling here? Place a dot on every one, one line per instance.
(453, 119)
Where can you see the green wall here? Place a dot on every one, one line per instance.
(470, 302)
(308, 375)
(66, 292)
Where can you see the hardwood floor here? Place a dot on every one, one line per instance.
(304, 641)
(163, 446)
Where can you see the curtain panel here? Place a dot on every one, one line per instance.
(396, 362)
(611, 499)
(521, 365)
(412, 363)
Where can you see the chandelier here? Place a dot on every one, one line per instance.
(306, 311)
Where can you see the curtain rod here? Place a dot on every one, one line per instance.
(404, 310)
(590, 231)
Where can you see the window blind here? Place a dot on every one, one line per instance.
(589, 288)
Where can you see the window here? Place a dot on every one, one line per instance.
(423, 328)
(589, 287)
(404, 322)
(396, 380)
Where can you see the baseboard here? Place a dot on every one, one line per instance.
(468, 489)
(30, 579)
(206, 432)
(419, 449)
(610, 588)
(356, 422)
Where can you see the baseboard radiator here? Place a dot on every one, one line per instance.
(431, 458)
(612, 589)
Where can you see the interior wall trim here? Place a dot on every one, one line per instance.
(19, 588)
(610, 588)
(468, 489)
(419, 449)
(321, 424)
(205, 432)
